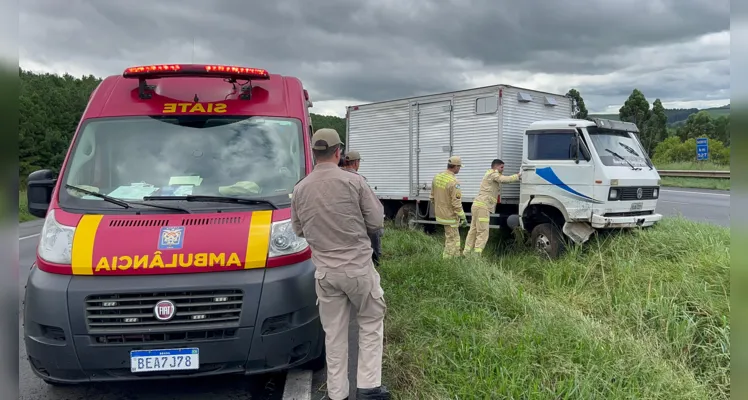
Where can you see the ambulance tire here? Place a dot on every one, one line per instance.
(56, 384)
(318, 363)
(548, 240)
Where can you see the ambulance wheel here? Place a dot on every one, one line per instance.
(318, 363)
(55, 384)
(406, 214)
(548, 240)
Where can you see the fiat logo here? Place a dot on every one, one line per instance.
(164, 310)
(639, 193)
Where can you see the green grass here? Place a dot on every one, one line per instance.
(23, 211)
(637, 315)
(696, 183)
(693, 166)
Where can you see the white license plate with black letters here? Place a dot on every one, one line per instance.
(165, 360)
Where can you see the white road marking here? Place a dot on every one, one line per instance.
(298, 385)
(29, 236)
(684, 191)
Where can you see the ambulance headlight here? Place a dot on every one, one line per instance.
(56, 241)
(283, 240)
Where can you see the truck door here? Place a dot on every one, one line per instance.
(550, 169)
(433, 141)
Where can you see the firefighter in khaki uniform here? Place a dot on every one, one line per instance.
(351, 163)
(336, 211)
(446, 196)
(484, 205)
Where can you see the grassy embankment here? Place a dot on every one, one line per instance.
(23, 212)
(640, 315)
(700, 183)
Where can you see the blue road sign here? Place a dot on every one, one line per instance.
(702, 149)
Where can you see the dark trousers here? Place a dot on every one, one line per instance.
(376, 245)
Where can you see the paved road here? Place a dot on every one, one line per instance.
(700, 205)
(697, 204)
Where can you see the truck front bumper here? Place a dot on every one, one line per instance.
(603, 222)
(278, 326)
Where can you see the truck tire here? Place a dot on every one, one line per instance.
(547, 240)
(406, 213)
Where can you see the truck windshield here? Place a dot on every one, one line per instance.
(622, 143)
(135, 157)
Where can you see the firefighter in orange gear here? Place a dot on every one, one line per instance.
(484, 205)
(446, 196)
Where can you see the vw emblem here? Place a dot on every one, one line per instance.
(639, 193)
(164, 310)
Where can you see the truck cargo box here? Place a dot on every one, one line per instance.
(405, 142)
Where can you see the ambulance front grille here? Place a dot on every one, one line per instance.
(134, 313)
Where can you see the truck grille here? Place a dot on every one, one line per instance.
(134, 312)
(629, 193)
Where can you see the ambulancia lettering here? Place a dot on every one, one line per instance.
(156, 260)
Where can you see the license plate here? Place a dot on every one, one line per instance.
(164, 360)
(637, 206)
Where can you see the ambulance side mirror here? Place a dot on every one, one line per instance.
(41, 184)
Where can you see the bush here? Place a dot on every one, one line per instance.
(673, 150)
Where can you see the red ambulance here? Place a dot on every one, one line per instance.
(167, 248)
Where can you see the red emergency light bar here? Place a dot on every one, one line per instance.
(196, 70)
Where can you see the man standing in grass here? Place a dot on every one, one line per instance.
(335, 211)
(446, 196)
(484, 205)
(352, 161)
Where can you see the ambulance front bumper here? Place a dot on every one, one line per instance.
(602, 222)
(273, 326)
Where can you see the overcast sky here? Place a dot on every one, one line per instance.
(357, 51)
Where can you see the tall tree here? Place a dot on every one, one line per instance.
(655, 129)
(581, 109)
(636, 110)
(698, 125)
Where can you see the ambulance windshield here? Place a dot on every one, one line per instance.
(135, 157)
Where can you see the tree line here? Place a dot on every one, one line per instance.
(51, 106)
(669, 135)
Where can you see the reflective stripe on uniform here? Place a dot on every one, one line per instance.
(478, 250)
(445, 221)
(484, 219)
(442, 179)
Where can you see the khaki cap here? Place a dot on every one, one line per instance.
(325, 138)
(455, 160)
(352, 155)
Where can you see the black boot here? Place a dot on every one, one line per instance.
(377, 393)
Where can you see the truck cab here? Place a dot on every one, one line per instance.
(579, 176)
(167, 249)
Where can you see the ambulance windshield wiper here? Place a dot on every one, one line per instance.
(217, 199)
(122, 203)
(621, 158)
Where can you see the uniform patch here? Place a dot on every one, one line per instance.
(171, 238)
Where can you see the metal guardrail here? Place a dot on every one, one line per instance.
(695, 173)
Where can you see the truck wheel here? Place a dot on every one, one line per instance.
(405, 214)
(547, 240)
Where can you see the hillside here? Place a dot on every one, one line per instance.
(678, 116)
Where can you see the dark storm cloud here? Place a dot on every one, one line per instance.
(376, 50)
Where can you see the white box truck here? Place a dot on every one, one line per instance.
(577, 175)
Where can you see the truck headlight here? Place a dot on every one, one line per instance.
(56, 241)
(613, 195)
(656, 193)
(283, 240)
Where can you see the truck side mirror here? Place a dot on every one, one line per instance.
(41, 184)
